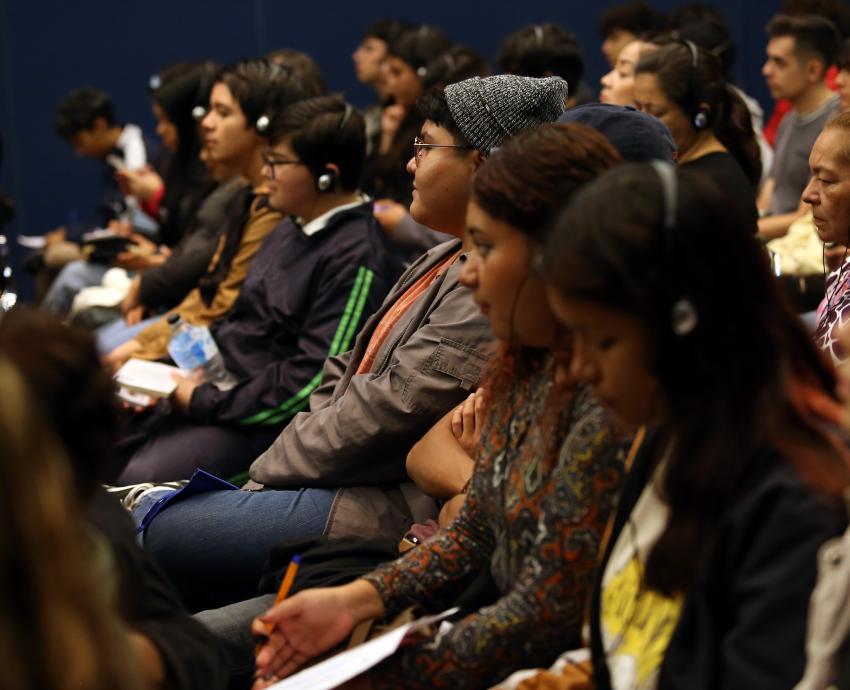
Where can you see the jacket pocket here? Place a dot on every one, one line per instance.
(451, 366)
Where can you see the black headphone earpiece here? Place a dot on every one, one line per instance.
(683, 314)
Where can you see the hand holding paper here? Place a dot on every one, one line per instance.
(310, 623)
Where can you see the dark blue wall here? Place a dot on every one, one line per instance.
(48, 48)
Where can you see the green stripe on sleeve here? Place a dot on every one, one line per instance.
(340, 342)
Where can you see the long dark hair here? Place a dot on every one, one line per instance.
(525, 183)
(746, 377)
(178, 89)
(691, 76)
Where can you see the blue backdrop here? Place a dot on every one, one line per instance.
(50, 47)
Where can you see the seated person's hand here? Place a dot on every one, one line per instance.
(391, 118)
(467, 421)
(142, 183)
(115, 359)
(121, 227)
(389, 213)
(186, 385)
(304, 626)
(143, 255)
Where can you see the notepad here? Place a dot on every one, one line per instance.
(346, 665)
(150, 378)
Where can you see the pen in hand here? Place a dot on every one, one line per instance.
(282, 593)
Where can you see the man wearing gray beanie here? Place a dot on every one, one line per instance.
(487, 111)
(473, 117)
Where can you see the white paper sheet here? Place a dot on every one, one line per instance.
(346, 665)
(150, 378)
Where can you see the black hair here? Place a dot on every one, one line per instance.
(458, 63)
(691, 13)
(774, 384)
(433, 106)
(79, 110)
(690, 83)
(304, 68)
(714, 36)
(543, 50)
(178, 89)
(324, 130)
(836, 11)
(262, 87)
(419, 46)
(62, 368)
(636, 17)
(844, 55)
(387, 30)
(814, 36)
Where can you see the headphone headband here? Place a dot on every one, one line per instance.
(683, 313)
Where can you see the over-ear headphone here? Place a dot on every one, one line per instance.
(700, 120)
(327, 180)
(683, 313)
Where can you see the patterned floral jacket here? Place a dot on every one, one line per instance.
(538, 503)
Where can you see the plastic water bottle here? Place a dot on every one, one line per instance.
(192, 347)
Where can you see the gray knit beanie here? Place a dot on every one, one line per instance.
(487, 111)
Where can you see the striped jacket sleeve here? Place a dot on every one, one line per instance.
(346, 294)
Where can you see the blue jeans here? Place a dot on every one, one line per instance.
(115, 333)
(71, 279)
(213, 546)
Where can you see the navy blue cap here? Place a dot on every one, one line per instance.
(637, 136)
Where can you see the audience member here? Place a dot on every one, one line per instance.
(58, 627)
(546, 50)
(799, 51)
(624, 23)
(706, 576)
(63, 372)
(368, 61)
(710, 31)
(683, 86)
(618, 85)
(313, 282)
(456, 64)
(86, 118)
(416, 358)
(172, 201)
(403, 71)
(538, 535)
(242, 100)
(828, 193)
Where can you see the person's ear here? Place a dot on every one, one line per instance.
(477, 159)
(99, 125)
(815, 69)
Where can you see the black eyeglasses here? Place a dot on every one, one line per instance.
(270, 161)
(419, 148)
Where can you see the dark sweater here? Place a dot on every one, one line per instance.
(725, 172)
(743, 621)
(149, 604)
(304, 299)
